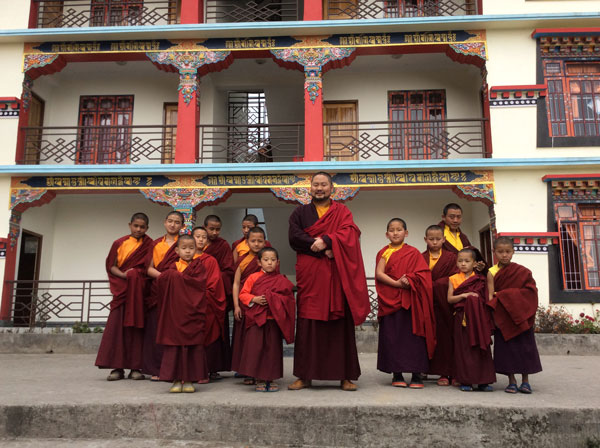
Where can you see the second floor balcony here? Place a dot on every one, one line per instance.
(380, 9)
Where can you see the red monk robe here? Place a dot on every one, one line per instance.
(443, 357)
(515, 305)
(123, 337)
(332, 293)
(399, 350)
(262, 352)
(449, 247)
(237, 340)
(473, 328)
(182, 321)
(162, 259)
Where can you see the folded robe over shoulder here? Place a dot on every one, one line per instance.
(278, 291)
(476, 311)
(130, 292)
(182, 305)
(419, 298)
(516, 300)
(463, 238)
(216, 302)
(169, 259)
(323, 282)
(220, 250)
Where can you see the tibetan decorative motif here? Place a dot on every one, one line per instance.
(188, 85)
(532, 242)
(37, 60)
(517, 95)
(301, 194)
(561, 45)
(14, 228)
(185, 200)
(478, 192)
(18, 197)
(313, 60)
(26, 95)
(574, 189)
(9, 107)
(470, 49)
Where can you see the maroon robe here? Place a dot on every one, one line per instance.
(123, 338)
(472, 353)
(219, 249)
(450, 247)
(181, 324)
(332, 294)
(443, 358)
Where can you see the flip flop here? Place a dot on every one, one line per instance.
(485, 388)
(511, 389)
(261, 387)
(525, 388)
(443, 381)
(272, 387)
(249, 381)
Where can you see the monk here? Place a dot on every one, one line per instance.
(271, 316)
(455, 240)
(442, 264)
(245, 266)
(470, 292)
(332, 288)
(123, 339)
(182, 319)
(163, 256)
(405, 312)
(515, 304)
(240, 247)
(216, 304)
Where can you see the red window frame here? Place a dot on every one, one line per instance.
(426, 137)
(573, 100)
(579, 238)
(104, 129)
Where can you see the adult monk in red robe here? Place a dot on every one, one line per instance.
(123, 337)
(451, 220)
(182, 319)
(442, 264)
(332, 289)
(216, 304)
(515, 305)
(163, 256)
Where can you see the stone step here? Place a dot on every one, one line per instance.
(64, 397)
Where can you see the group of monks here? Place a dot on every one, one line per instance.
(169, 317)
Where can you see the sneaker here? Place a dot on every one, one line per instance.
(398, 380)
(416, 382)
(176, 387)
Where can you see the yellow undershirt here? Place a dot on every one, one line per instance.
(321, 210)
(242, 248)
(389, 251)
(452, 238)
(126, 249)
(433, 260)
(494, 269)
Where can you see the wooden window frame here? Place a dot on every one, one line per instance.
(105, 9)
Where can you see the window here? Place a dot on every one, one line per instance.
(260, 214)
(248, 134)
(579, 238)
(104, 129)
(116, 12)
(573, 101)
(417, 128)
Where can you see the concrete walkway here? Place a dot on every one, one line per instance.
(64, 396)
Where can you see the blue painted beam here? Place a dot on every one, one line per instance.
(592, 163)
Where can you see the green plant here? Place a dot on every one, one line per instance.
(587, 324)
(553, 320)
(79, 327)
(98, 330)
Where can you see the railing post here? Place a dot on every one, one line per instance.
(192, 11)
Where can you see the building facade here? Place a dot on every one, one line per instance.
(110, 107)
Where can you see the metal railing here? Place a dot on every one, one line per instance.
(89, 13)
(38, 303)
(405, 140)
(98, 144)
(228, 11)
(379, 9)
(251, 143)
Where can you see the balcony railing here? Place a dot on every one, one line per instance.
(88, 13)
(59, 302)
(405, 140)
(251, 11)
(379, 9)
(251, 143)
(98, 144)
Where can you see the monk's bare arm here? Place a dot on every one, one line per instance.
(235, 256)
(152, 271)
(114, 270)
(382, 277)
(237, 311)
(490, 286)
(455, 299)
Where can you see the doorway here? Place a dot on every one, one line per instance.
(27, 277)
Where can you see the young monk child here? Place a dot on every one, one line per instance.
(240, 247)
(220, 352)
(123, 338)
(182, 318)
(470, 292)
(515, 303)
(163, 255)
(405, 298)
(215, 305)
(271, 314)
(245, 266)
(442, 264)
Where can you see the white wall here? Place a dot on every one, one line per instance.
(491, 7)
(16, 16)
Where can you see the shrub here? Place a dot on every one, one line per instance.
(558, 320)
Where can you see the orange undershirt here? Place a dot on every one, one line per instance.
(246, 261)
(321, 210)
(160, 250)
(433, 261)
(242, 248)
(458, 279)
(126, 248)
(245, 296)
(182, 264)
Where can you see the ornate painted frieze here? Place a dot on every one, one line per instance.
(478, 192)
(14, 228)
(511, 96)
(575, 188)
(302, 195)
(532, 242)
(10, 107)
(38, 60)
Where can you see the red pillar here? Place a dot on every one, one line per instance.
(313, 9)
(33, 14)
(313, 122)
(10, 263)
(192, 11)
(188, 117)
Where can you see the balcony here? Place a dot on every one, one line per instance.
(218, 11)
(406, 140)
(379, 9)
(91, 13)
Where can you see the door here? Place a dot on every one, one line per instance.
(33, 139)
(50, 14)
(340, 9)
(340, 141)
(27, 276)
(170, 132)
